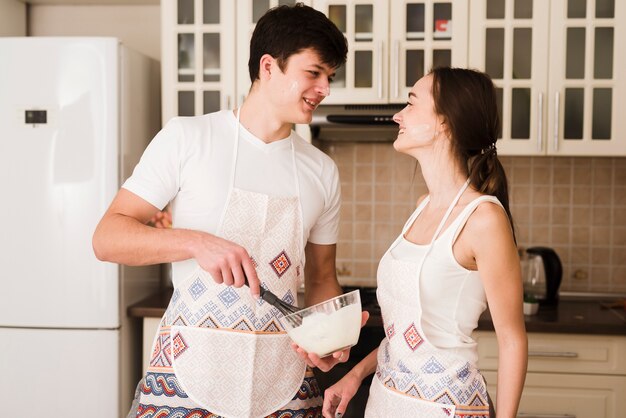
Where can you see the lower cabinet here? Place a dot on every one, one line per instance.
(150, 327)
(569, 376)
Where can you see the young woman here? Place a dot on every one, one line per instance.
(456, 253)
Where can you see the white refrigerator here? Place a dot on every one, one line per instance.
(75, 116)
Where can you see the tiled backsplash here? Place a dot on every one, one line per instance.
(575, 205)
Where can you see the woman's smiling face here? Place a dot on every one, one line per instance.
(418, 122)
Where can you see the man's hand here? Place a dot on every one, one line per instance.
(227, 262)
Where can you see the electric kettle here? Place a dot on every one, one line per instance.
(544, 272)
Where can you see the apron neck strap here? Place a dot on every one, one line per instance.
(449, 211)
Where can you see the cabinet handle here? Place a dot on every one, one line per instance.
(556, 122)
(396, 62)
(380, 70)
(528, 415)
(566, 354)
(227, 101)
(540, 124)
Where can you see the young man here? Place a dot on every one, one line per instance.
(249, 199)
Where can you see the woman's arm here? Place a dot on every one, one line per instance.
(496, 257)
(337, 396)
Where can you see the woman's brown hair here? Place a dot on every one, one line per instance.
(466, 99)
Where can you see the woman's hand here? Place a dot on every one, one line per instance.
(337, 396)
(322, 363)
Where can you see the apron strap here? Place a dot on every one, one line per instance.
(440, 227)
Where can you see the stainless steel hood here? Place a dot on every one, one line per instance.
(355, 123)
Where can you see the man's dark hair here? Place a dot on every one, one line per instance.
(287, 30)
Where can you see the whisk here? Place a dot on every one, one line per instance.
(283, 307)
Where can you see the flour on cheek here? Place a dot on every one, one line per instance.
(420, 132)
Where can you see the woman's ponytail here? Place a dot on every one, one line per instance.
(467, 101)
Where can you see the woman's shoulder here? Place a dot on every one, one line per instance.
(488, 216)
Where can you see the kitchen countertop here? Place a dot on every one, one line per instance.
(573, 315)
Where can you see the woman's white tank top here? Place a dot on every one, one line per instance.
(453, 298)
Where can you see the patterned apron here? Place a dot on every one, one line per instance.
(414, 378)
(220, 352)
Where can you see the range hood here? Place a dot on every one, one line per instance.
(355, 123)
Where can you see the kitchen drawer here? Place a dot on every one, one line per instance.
(552, 395)
(561, 353)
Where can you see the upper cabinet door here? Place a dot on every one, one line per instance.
(365, 24)
(423, 35)
(198, 56)
(509, 41)
(248, 14)
(587, 83)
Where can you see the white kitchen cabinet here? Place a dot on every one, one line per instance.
(198, 56)
(391, 44)
(568, 375)
(556, 65)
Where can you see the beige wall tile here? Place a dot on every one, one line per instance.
(581, 195)
(344, 250)
(561, 215)
(618, 255)
(363, 212)
(364, 155)
(364, 174)
(618, 275)
(620, 172)
(363, 231)
(540, 215)
(601, 216)
(345, 231)
(600, 236)
(581, 235)
(541, 175)
(619, 195)
(580, 255)
(560, 235)
(619, 216)
(601, 196)
(383, 153)
(541, 195)
(562, 175)
(364, 193)
(382, 193)
(520, 175)
(520, 195)
(601, 255)
(602, 175)
(561, 195)
(346, 174)
(363, 269)
(383, 212)
(520, 213)
(540, 235)
(581, 215)
(619, 236)
(347, 212)
(383, 174)
(582, 176)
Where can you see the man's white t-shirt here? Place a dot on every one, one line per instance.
(190, 161)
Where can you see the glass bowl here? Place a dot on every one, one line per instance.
(327, 327)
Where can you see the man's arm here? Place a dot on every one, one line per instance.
(320, 273)
(122, 236)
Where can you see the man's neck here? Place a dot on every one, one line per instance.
(261, 120)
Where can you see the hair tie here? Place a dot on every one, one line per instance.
(489, 149)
